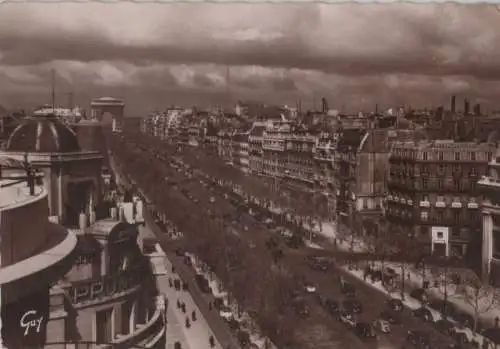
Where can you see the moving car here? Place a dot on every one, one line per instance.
(318, 263)
(332, 306)
(226, 313)
(202, 283)
(310, 288)
(420, 295)
(347, 319)
(353, 306)
(300, 307)
(446, 308)
(365, 331)
(348, 290)
(294, 241)
(419, 339)
(395, 304)
(382, 326)
(445, 326)
(424, 314)
(391, 317)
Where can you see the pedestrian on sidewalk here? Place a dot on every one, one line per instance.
(209, 305)
(211, 341)
(193, 315)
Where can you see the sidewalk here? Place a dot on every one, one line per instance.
(197, 336)
(454, 297)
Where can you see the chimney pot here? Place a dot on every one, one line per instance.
(82, 221)
(121, 214)
(92, 217)
(114, 213)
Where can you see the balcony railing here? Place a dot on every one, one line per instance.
(105, 287)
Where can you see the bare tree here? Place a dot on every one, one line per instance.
(481, 297)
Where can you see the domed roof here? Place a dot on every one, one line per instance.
(43, 134)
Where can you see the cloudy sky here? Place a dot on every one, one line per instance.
(155, 55)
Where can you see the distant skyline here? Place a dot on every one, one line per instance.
(156, 55)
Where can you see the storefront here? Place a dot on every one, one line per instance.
(24, 322)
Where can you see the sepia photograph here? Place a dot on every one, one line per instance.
(249, 175)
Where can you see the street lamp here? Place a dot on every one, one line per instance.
(162, 304)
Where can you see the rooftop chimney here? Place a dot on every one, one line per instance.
(453, 100)
(114, 213)
(82, 221)
(466, 106)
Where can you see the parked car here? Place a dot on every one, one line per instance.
(382, 325)
(353, 306)
(226, 313)
(233, 324)
(177, 284)
(332, 306)
(395, 304)
(243, 338)
(420, 295)
(445, 326)
(294, 242)
(459, 337)
(218, 303)
(424, 314)
(179, 252)
(301, 308)
(464, 319)
(347, 319)
(348, 290)
(310, 288)
(390, 316)
(446, 308)
(419, 339)
(365, 331)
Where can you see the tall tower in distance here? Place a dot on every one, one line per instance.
(453, 101)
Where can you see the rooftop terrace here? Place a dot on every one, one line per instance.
(14, 193)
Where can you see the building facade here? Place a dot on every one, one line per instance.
(288, 154)
(240, 151)
(433, 193)
(255, 151)
(489, 187)
(87, 284)
(35, 253)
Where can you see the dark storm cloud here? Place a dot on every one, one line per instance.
(395, 39)
(345, 51)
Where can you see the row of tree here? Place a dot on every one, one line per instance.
(249, 274)
(382, 242)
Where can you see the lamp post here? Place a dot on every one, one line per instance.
(162, 303)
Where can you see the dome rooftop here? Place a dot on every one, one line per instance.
(43, 134)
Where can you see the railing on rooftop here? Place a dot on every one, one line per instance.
(92, 345)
